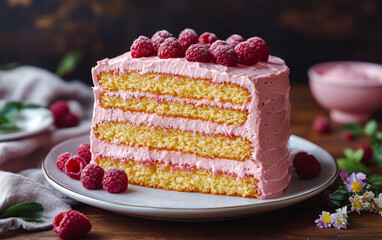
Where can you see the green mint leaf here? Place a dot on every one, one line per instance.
(3, 119)
(378, 136)
(375, 182)
(355, 128)
(8, 126)
(351, 166)
(348, 152)
(358, 155)
(9, 66)
(68, 63)
(371, 128)
(30, 106)
(339, 195)
(342, 187)
(337, 203)
(11, 108)
(28, 211)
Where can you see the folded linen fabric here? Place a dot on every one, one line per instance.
(38, 86)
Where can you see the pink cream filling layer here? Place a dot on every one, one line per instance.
(268, 84)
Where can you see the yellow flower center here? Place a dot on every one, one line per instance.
(326, 218)
(356, 187)
(357, 205)
(339, 222)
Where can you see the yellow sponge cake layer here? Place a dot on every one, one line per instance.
(194, 180)
(209, 146)
(175, 109)
(179, 86)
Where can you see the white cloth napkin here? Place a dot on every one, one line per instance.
(34, 85)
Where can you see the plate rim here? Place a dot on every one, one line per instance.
(22, 134)
(268, 203)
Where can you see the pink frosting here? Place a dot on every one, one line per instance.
(267, 125)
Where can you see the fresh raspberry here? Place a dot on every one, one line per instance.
(91, 176)
(348, 135)
(70, 120)
(234, 39)
(74, 166)
(142, 47)
(247, 53)
(59, 109)
(216, 44)
(71, 224)
(83, 151)
(298, 157)
(207, 38)
(213, 47)
(115, 180)
(321, 124)
(225, 55)
(261, 46)
(158, 38)
(170, 48)
(198, 53)
(62, 159)
(187, 37)
(367, 153)
(307, 167)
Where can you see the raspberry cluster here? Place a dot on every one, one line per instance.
(205, 48)
(62, 115)
(92, 176)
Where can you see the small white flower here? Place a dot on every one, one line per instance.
(377, 204)
(368, 196)
(357, 203)
(340, 218)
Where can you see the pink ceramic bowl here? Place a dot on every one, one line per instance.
(351, 91)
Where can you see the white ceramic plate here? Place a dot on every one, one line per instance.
(170, 205)
(29, 122)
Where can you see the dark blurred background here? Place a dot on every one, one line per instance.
(41, 32)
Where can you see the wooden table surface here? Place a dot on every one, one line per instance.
(295, 222)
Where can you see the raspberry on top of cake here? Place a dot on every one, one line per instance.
(195, 114)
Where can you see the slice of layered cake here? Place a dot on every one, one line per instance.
(174, 124)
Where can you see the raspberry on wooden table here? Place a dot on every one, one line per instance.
(158, 38)
(225, 55)
(71, 224)
(115, 180)
(142, 47)
(247, 53)
(91, 176)
(198, 53)
(321, 124)
(187, 37)
(367, 153)
(261, 46)
(234, 39)
(62, 159)
(83, 151)
(74, 166)
(170, 48)
(348, 135)
(207, 38)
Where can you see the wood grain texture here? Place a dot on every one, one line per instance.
(295, 222)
